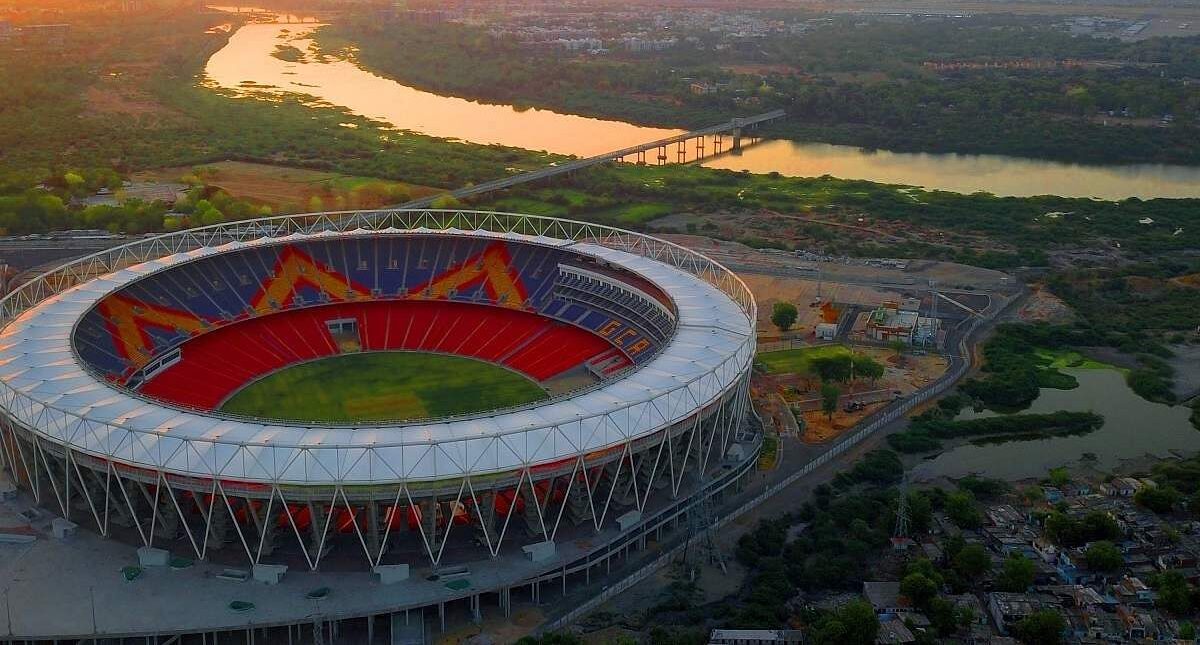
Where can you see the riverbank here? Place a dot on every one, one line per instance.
(466, 62)
(125, 94)
(1135, 433)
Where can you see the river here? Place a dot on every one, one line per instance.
(1133, 428)
(246, 66)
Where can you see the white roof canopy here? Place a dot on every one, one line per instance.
(47, 388)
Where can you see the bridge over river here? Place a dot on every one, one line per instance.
(734, 128)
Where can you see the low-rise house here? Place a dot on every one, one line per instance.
(885, 597)
(1138, 623)
(1132, 591)
(968, 601)
(1123, 487)
(894, 631)
(1007, 609)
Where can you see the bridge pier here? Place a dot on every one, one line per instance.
(737, 128)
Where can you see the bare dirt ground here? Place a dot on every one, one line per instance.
(1044, 306)
(1191, 281)
(906, 375)
(797, 230)
(769, 289)
(107, 98)
(746, 260)
(281, 186)
(495, 628)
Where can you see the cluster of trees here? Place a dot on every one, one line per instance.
(1131, 305)
(842, 368)
(1016, 231)
(42, 209)
(1069, 532)
(847, 529)
(878, 467)
(1014, 371)
(926, 431)
(48, 128)
(1160, 499)
(862, 94)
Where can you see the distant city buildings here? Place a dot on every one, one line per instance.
(636, 31)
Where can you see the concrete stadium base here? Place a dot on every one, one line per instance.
(87, 587)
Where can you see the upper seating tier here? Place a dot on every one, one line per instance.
(128, 331)
(214, 366)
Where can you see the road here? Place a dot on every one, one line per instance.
(788, 485)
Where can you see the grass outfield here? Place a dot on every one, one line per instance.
(795, 361)
(389, 386)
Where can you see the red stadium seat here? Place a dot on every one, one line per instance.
(217, 364)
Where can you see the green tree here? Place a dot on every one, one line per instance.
(1160, 499)
(783, 315)
(867, 367)
(960, 508)
(898, 348)
(943, 615)
(918, 589)
(1044, 627)
(854, 624)
(831, 368)
(1104, 556)
(972, 561)
(1017, 574)
(1060, 477)
(1174, 593)
(829, 399)
(446, 202)
(75, 183)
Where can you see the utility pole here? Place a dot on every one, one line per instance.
(901, 531)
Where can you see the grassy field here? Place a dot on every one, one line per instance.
(391, 386)
(287, 189)
(795, 361)
(1061, 358)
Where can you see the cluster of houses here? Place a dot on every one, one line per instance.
(1097, 607)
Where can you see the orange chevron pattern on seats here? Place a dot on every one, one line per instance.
(490, 267)
(127, 319)
(295, 268)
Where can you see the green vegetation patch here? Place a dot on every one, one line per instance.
(1065, 358)
(926, 431)
(798, 361)
(288, 53)
(386, 386)
(1017, 365)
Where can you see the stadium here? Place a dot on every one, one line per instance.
(451, 391)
